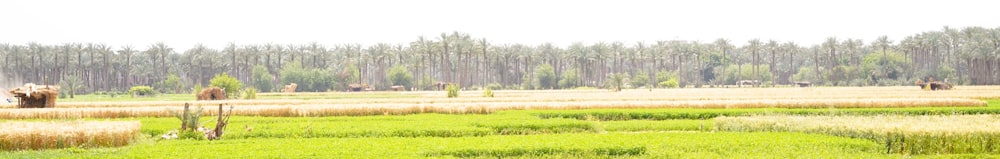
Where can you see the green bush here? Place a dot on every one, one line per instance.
(672, 83)
(488, 92)
(250, 93)
(191, 134)
(616, 81)
(494, 86)
(141, 91)
(452, 90)
(197, 89)
(230, 84)
(400, 76)
(172, 84)
(569, 79)
(545, 77)
(262, 78)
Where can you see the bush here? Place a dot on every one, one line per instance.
(616, 81)
(672, 83)
(262, 78)
(640, 80)
(452, 90)
(400, 76)
(197, 89)
(494, 86)
(569, 79)
(488, 92)
(191, 134)
(545, 77)
(230, 84)
(141, 91)
(172, 84)
(250, 93)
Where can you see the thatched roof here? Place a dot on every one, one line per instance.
(36, 96)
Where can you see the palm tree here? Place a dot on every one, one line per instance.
(754, 47)
(883, 43)
(791, 48)
(772, 45)
(724, 46)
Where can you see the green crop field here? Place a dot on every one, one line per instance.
(544, 132)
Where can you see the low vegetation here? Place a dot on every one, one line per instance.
(596, 123)
(929, 134)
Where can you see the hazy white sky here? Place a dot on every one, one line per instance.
(183, 23)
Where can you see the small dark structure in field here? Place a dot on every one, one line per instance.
(441, 85)
(36, 96)
(398, 88)
(212, 93)
(803, 84)
(754, 83)
(933, 85)
(290, 88)
(355, 87)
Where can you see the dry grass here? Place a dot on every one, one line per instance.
(16, 135)
(305, 109)
(902, 134)
(470, 102)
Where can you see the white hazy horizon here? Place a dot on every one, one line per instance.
(183, 23)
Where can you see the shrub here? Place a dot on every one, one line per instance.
(494, 86)
(569, 79)
(545, 77)
(262, 78)
(672, 83)
(141, 91)
(617, 81)
(197, 89)
(250, 93)
(400, 76)
(191, 134)
(488, 92)
(230, 84)
(452, 90)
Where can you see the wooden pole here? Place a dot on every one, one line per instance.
(184, 117)
(219, 124)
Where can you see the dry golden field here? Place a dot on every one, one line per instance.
(472, 102)
(17, 135)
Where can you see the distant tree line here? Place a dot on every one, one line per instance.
(963, 56)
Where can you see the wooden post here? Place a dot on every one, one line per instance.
(219, 124)
(184, 118)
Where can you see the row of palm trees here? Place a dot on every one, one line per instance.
(966, 56)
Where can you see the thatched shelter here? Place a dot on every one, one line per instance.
(933, 85)
(212, 93)
(36, 96)
(398, 88)
(290, 88)
(803, 84)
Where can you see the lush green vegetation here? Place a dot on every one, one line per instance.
(574, 145)
(668, 114)
(589, 133)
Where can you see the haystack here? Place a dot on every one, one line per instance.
(36, 96)
(212, 93)
(290, 88)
